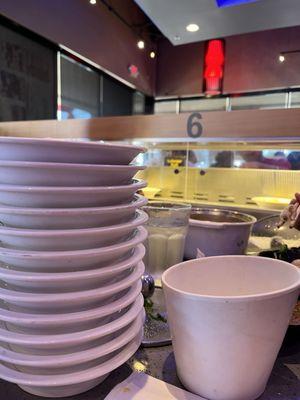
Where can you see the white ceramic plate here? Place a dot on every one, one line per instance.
(71, 301)
(272, 203)
(70, 218)
(70, 281)
(62, 174)
(68, 197)
(62, 261)
(66, 151)
(71, 239)
(65, 363)
(63, 385)
(151, 192)
(34, 323)
(66, 343)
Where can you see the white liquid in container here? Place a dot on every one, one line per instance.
(164, 248)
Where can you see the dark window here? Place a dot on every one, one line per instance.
(149, 105)
(80, 90)
(117, 98)
(27, 77)
(31, 88)
(138, 106)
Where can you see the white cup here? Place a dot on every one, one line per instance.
(228, 316)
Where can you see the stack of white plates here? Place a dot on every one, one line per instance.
(71, 261)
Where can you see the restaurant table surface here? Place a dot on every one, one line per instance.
(284, 383)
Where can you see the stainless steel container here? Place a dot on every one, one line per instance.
(217, 232)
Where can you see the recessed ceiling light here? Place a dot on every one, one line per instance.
(152, 54)
(281, 58)
(192, 27)
(93, 1)
(141, 44)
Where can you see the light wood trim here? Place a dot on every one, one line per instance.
(216, 124)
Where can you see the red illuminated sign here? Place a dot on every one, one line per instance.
(214, 67)
(133, 70)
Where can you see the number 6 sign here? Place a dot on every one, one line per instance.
(194, 126)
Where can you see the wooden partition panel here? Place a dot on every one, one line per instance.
(215, 124)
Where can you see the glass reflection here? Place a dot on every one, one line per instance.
(264, 159)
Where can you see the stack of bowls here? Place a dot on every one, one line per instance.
(71, 261)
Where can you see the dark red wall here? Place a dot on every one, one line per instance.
(252, 60)
(251, 64)
(91, 31)
(179, 69)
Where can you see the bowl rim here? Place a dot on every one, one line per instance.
(69, 143)
(135, 185)
(76, 317)
(11, 295)
(249, 219)
(32, 380)
(71, 166)
(140, 218)
(74, 338)
(169, 205)
(139, 237)
(77, 358)
(137, 202)
(230, 299)
(71, 276)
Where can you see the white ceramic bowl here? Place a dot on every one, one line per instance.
(63, 385)
(70, 281)
(71, 301)
(64, 197)
(66, 363)
(71, 239)
(70, 218)
(36, 323)
(62, 261)
(72, 342)
(228, 316)
(63, 174)
(66, 151)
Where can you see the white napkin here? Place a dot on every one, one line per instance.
(140, 386)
